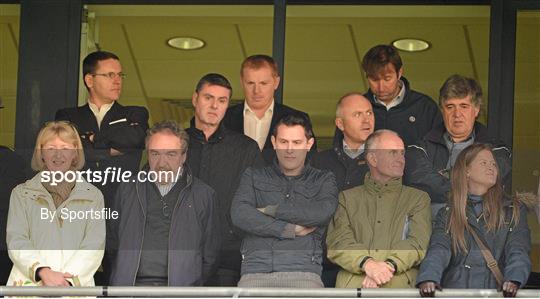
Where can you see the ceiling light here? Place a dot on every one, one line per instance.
(411, 44)
(185, 43)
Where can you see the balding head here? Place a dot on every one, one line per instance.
(355, 118)
(385, 155)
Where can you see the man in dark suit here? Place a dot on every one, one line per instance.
(112, 135)
(259, 113)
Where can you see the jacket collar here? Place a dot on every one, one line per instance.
(35, 190)
(140, 187)
(394, 185)
(277, 169)
(337, 146)
(218, 135)
(404, 102)
(436, 135)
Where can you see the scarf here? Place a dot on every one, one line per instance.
(60, 192)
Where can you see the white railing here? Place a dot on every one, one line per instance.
(247, 292)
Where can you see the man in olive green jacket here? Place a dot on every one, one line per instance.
(380, 231)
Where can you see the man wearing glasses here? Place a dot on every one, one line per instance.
(112, 135)
(167, 231)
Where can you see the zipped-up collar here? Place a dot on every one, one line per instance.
(218, 135)
(436, 135)
(393, 185)
(279, 172)
(141, 186)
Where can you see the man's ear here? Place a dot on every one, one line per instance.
(476, 111)
(273, 139)
(310, 143)
(194, 99)
(400, 73)
(339, 124)
(277, 79)
(89, 80)
(371, 158)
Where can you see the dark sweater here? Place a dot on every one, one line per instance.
(153, 269)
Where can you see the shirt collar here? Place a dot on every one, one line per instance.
(450, 142)
(397, 100)
(199, 134)
(248, 109)
(352, 153)
(164, 189)
(96, 110)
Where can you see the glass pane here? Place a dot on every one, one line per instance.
(526, 148)
(325, 46)
(163, 78)
(9, 59)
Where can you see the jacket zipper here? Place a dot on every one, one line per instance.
(178, 202)
(144, 221)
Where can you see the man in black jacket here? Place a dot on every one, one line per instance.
(284, 208)
(397, 107)
(167, 233)
(218, 157)
(259, 113)
(355, 121)
(430, 160)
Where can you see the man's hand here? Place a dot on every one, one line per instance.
(380, 272)
(369, 283)
(510, 288)
(303, 231)
(115, 152)
(427, 288)
(52, 278)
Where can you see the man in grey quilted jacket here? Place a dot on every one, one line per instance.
(284, 209)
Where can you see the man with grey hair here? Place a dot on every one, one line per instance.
(381, 229)
(355, 121)
(430, 160)
(167, 231)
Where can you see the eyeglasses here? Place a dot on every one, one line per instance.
(112, 75)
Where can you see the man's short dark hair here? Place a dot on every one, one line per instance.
(459, 87)
(214, 79)
(295, 119)
(91, 61)
(378, 57)
(259, 61)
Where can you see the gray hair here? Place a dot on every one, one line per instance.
(373, 139)
(171, 127)
(459, 87)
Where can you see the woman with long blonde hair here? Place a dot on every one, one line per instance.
(46, 248)
(479, 220)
